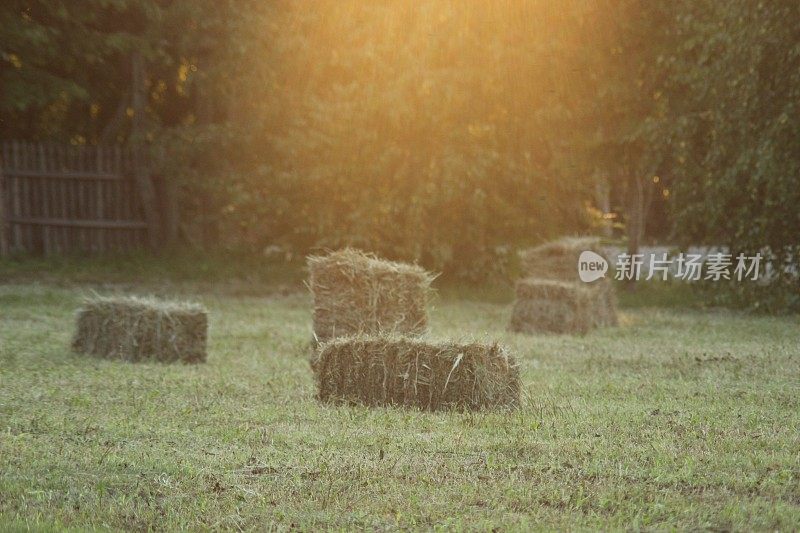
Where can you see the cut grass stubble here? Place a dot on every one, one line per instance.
(681, 420)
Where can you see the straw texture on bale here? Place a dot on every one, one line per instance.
(136, 329)
(401, 371)
(357, 293)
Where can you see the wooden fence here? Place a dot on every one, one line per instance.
(61, 199)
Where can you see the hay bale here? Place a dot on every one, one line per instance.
(357, 293)
(551, 306)
(135, 329)
(558, 259)
(380, 371)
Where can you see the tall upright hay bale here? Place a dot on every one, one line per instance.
(558, 260)
(382, 371)
(357, 293)
(550, 306)
(135, 329)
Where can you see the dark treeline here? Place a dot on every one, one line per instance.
(440, 130)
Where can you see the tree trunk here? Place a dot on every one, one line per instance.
(140, 161)
(171, 214)
(602, 196)
(172, 220)
(111, 131)
(635, 218)
(169, 206)
(4, 245)
(639, 199)
(207, 111)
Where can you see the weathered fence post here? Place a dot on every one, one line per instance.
(4, 247)
(171, 209)
(141, 172)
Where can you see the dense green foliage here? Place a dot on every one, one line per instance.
(736, 92)
(419, 135)
(442, 131)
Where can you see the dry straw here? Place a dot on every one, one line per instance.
(552, 297)
(135, 329)
(385, 371)
(357, 293)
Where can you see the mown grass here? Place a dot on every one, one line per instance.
(677, 419)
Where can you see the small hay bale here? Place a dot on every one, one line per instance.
(357, 293)
(385, 371)
(134, 329)
(551, 306)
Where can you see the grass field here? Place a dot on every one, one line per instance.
(680, 418)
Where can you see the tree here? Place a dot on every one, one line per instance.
(383, 125)
(443, 131)
(735, 97)
(622, 132)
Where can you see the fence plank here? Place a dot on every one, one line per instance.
(5, 205)
(67, 223)
(4, 237)
(66, 175)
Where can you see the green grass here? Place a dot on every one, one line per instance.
(182, 269)
(678, 419)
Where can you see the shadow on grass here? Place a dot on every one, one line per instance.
(661, 294)
(251, 272)
(180, 266)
